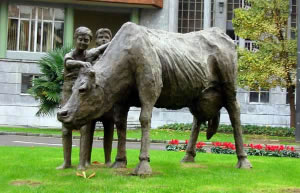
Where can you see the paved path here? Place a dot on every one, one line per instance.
(29, 141)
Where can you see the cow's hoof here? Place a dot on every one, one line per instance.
(108, 164)
(87, 164)
(81, 167)
(143, 168)
(243, 163)
(64, 166)
(188, 158)
(119, 164)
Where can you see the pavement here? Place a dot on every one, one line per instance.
(50, 140)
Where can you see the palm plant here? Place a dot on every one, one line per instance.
(47, 88)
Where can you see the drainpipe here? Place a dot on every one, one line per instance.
(298, 81)
(3, 28)
(69, 26)
(135, 16)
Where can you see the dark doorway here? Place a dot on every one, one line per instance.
(95, 20)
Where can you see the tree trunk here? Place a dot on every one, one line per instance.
(291, 96)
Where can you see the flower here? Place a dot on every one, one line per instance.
(174, 142)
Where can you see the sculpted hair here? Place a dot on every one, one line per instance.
(83, 31)
(104, 30)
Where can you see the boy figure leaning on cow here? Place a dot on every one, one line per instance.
(73, 61)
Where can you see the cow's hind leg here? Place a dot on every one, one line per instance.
(85, 146)
(108, 125)
(144, 168)
(90, 141)
(191, 147)
(121, 113)
(233, 109)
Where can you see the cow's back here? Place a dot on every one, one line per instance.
(178, 63)
(184, 61)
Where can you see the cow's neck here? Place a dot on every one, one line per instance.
(114, 76)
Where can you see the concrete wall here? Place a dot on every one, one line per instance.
(16, 108)
(163, 19)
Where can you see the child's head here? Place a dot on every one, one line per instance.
(103, 36)
(83, 37)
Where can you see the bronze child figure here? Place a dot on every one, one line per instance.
(73, 61)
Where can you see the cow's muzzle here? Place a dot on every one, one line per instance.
(63, 115)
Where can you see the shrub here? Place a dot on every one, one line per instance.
(47, 88)
(247, 129)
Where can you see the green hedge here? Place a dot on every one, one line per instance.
(247, 129)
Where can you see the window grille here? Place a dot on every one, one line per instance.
(234, 4)
(191, 15)
(34, 29)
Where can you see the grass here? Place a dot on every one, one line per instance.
(32, 170)
(165, 134)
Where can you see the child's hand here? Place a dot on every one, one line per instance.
(86, 64)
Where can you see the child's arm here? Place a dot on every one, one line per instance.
(76, 64)
(96, 51)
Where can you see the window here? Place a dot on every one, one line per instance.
(191, 15)
(260, 96)
(27, 82)
(34, 29)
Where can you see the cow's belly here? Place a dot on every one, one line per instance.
(177, 99)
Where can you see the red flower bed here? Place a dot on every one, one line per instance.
(229, 148)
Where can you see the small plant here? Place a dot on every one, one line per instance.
(223, 148)
(199, 147)
(174, 145)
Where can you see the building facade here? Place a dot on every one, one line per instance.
(29, 28)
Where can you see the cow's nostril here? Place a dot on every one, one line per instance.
(63, 113)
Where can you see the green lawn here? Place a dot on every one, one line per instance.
(25, 170)
(164, 134)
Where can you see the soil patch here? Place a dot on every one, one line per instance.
(193, 165)
(25, 182)
(291, 190)
(129, 171)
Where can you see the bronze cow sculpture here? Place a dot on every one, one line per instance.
(151, 68)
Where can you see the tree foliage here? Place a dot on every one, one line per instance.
(266, 22)
(274, 63)
(47, 88)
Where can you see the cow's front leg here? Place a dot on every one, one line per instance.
(191, 146)
(143, 168)
(85, 137)
(121, 113)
